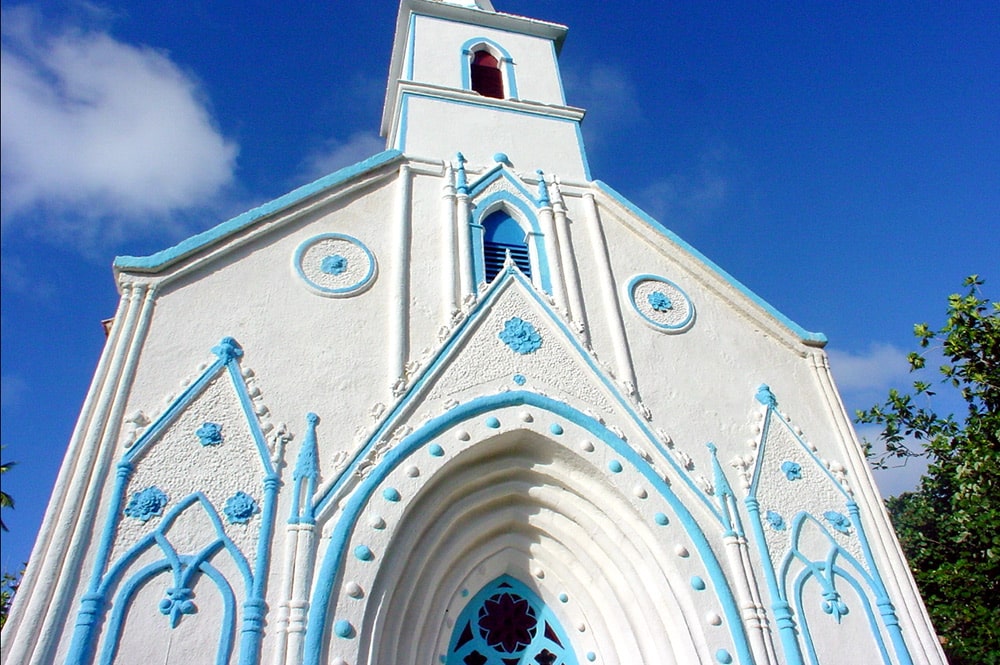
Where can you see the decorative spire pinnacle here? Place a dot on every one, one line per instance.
(307, 466)
(766, 397)
(543, 190)
(462, 184)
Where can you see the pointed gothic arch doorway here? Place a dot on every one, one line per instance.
(550, 501)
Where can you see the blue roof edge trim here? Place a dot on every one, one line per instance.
(811, 338)
(162, 259)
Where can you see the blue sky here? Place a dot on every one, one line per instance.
(840, 159)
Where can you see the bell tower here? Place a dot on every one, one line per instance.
(464, 77)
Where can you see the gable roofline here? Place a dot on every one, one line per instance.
(167, 257)
(817, 339)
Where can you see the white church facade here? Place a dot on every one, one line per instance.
(461, 403)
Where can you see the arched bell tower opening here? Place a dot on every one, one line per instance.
(502, 234)
(487, 79)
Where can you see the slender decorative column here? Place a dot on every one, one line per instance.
(399, 330)
(43, 570)
(305, 477)
(567, 256)
(792, 652)
(102, 437)
(465, 280)
(545, 218)
(450, 298)
(609, 293)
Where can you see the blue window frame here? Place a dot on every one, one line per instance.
(506, 623)
(502, 234)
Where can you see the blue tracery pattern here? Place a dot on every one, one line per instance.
(520, 336)
(659, 301)
(210, 434)
(240, 507)
(507, 623)
(146, 504)
(177, 602)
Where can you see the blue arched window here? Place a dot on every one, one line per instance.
(502, 233)
(507, 624)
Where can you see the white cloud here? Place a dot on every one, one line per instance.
(337, 154)
(13, 390)
(696, 193)
(112, 137)
(610, 99)
(882, 366)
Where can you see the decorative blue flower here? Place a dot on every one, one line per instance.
(838, 521)
(792, 470)
(240, 507)
(659, 301)
(333, 264)
(520, 336)
(210, 434)
(146, 504)
(776, 521)
(519, 379)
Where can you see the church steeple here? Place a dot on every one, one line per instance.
(464, 77)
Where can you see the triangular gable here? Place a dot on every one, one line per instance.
(497, 179)
(477, 359)
(789, 480)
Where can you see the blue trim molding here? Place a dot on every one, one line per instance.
(838, 563)
(320, 618)
(151, 503)
(811, 338)
(163, 259)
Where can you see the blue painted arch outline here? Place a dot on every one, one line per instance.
(227, 631)
(521, 212)
(474, 44)
(320, 621)
(94, 603)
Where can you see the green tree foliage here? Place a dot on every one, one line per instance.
(950, 526)
(5, 499)
(8, 588)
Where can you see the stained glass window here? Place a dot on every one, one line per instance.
(507, 624)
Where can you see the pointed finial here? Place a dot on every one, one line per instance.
(462, 185)
(765, 396)
(543, 189)
(722, 487)
(449, 179)
(307, 466)
(228, 349)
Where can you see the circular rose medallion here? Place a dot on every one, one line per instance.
(661, 303)
(335, 265)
